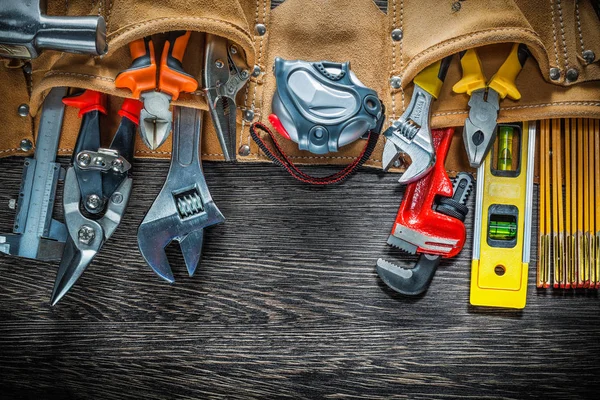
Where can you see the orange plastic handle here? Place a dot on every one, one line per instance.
(172, 78)
(141, 76)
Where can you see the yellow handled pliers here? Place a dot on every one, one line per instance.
(479, 133)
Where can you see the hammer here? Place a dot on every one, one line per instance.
(25, 31)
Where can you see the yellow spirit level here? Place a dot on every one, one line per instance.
(503, 213)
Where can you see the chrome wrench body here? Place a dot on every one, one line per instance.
(184, 206)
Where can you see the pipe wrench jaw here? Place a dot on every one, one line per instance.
(409, 281)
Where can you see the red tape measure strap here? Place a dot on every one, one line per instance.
(279, 157)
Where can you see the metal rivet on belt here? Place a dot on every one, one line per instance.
(572, 74)
(554, 74)
(396, 82)
(260, 29)
(23, 110)
(248, 115)
(397, 34)
(244, 150)
(256, 71)
(26, 145)
(588, 56)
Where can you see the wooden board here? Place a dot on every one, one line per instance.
(286, 303)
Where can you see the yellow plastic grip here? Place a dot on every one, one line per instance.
(472, 74)
(503, 82)
(429, 80)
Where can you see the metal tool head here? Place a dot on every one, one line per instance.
(410, 135)
(86, 236)
(184, 206)
(479, 133)
(409, 281)
(225, 73)
(155, 118)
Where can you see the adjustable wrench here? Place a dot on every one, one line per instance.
(184, 206)
(411, 134)
(36, 234)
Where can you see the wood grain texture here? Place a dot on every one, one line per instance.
(286, 304)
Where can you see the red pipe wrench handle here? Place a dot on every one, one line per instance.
(417, 210)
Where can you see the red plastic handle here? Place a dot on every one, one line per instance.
(131, 110)
(87, 101)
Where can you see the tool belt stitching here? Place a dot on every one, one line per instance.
(558, 103)
(123, 31)
(262, 45)
(9, 150)
(460, 38)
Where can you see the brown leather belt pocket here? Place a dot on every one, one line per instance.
(561, 79)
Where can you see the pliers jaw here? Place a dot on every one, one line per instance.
(155, 119)
(225, 73)
(479, 132)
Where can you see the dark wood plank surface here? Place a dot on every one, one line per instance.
(286, 303)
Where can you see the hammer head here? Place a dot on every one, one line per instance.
(25, 31)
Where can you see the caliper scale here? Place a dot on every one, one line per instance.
(36, 234)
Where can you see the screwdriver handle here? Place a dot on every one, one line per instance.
(141, 76)
(172, 77)
(87, 101)
(472, 73)
(503, 82)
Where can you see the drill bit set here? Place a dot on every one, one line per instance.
(569, 218)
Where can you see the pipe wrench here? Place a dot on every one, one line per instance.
(479, 133)
(141, 79)
(429, 222)
(36, 234)
(410, 134)
(97, 185)
(225, 73)
(184, 206)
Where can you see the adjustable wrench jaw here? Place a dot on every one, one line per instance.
(411, 135)
(479, 132)
(184, 206)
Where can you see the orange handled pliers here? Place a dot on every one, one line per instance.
(141, 78)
